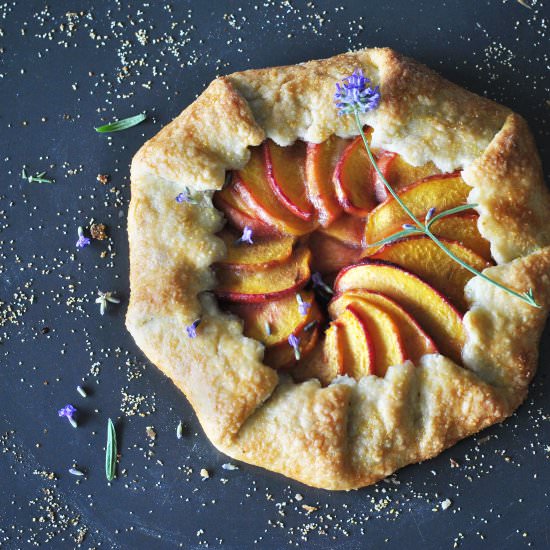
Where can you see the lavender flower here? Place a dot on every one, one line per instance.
(354, 94)
(186, 197)
(68, 412)
(192, 328)
(294, 342)
(104, 298)
(408, 227)
(303, 307)
(319, 283)
(83, 241)
(246, 237)
(430, 214)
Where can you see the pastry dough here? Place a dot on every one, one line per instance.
(351, 433)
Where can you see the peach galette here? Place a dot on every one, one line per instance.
(341, 289)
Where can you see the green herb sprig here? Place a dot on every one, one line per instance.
(122, 124)
(425, 228)
(37, 178)
(110, 451)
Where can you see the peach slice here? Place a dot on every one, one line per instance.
(260, 255)
(347, 229)
(237, 285)
(282, 356)
(353, 180)
(463, 229)
(285, 170)
(272, 322)
(236, 211)
(330, 255)
(333, 350)
(384, 333)
(398, 173)
(441, 192)
(422, 256)
(430, 308)
(251, 182)
(357, 346)
(321, 159)
(415, 341)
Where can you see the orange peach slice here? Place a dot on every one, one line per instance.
(330, 255)
(422, 256)
(441, 192)
(415, 341)
(430, 308)
(285, 170)
(273, 321)
(398, 173)
(251, 182)
(238, 285)
(333, 350)
(357, 346)
(384, 333)
(463, 229)
(353, 180)
(236, 211)
(347, 229)
(321, 159)
(260, 255)
(282, 356)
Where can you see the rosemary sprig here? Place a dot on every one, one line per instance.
(122, 124)
(37, 178)
(110, 451)
(424, 228)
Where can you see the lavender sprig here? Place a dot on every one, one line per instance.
(294, 343)
(354, 97)
(68, 412)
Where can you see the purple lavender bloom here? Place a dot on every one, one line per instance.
(182, 197)
(192, 328)
(294, 342)
(430, 213)
(354, 94)
(303, 307)
(408, 227)
(246, 237)
(68, 412)
(83, 241)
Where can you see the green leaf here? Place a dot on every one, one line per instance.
(395, 237)
(123, 124)
(451, 211)
(110, 451)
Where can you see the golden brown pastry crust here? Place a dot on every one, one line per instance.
(351, 433)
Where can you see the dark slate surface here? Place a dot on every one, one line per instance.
(62, 73)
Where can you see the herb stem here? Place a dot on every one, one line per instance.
(425, 229)
(383, 179)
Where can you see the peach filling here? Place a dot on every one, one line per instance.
(301, 275)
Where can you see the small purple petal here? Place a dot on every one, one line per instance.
(246, 237)
(303, 307)
(408, 226)
(67, 410)
(182, 197)
(430, 213)
(83, 241)
(294, 342)
(192, 328)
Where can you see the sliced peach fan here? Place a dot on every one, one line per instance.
(317, 208)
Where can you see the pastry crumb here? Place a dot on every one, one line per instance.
(205, 474)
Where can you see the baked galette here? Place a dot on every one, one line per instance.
(277, 279)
